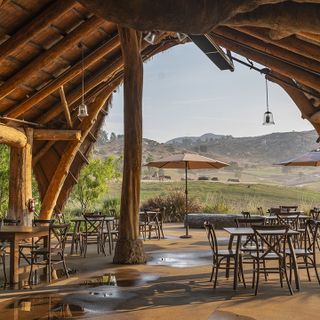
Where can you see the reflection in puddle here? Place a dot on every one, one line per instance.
(92, 302)
(181, 259)
(224, 315)
(123, 278)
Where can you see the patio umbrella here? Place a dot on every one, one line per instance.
(187, 161)
(309, 159)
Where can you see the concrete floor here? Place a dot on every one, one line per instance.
(172, 285)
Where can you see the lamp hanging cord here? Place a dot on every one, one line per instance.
(82, 79)
(267, 94)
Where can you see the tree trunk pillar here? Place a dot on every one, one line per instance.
(20, 184)
(129, 248)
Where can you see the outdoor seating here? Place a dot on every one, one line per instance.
(93, 233)
(52, 253)
(288, 209)
(273, 240)
(308, 249)
(149, 223)
(219, 256)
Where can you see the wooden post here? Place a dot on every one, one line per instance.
(20, 184)
(129, 248)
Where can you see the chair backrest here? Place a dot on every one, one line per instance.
(272, 238)
(248, 222)
(292, 220)
(42, 222)
(311, 235)
(246, 214)
(287, 209)
(273, 211)
(315, 213)
(58, 234)
(211, 236)
(93, 224)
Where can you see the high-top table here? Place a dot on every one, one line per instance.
(14, 235)
(239, 232)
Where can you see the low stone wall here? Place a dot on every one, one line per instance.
(220, 220)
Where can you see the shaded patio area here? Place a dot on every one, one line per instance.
(173, 284)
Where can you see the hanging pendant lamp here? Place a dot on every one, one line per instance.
(82, 108)
(268, 116)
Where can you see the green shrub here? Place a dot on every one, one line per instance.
(174, 203)
(111, 204)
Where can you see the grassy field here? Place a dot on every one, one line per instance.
(230, 197)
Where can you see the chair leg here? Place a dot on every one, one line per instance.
(254, 274)
(3, 257)
(216, 275)
(242, 273)
(315, 269)
(280, 274)
(258, 276)
(65, 266)
(286, 276)
(307, 267)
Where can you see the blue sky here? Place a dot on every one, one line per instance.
(185, 94)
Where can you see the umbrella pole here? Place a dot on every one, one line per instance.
(186, 212)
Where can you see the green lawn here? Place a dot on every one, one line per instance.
(235, 197)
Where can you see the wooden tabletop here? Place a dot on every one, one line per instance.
(287, 216)
(22, 229)
(249, 231)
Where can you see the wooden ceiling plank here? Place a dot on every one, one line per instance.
(68, 75)
(42, 152)
(286, 69)
(283, 54)
(47, 57)
(290, 43)
(36, 25)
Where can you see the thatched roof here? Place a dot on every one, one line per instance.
(39, 53)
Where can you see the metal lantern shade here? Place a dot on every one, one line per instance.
(268, 118)
(82, 110)
(309, 159)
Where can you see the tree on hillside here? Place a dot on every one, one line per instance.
(113, 136)
(92, 182)
(4, 179)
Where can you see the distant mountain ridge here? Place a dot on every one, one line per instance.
(265, 149)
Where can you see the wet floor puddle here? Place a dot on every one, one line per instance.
(224, 315)
(123, 278)
(82, 303)
(181, 259)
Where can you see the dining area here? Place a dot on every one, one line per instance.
(282, 241)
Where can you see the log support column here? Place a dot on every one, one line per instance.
(129, 248)
(20, 184)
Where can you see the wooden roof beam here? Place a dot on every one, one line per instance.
(286, 18)
(308, 78)
(102, 76)
(65, 106)
(67, 76)
(47, 57)
(12, 136)
(192, 16)
(61, 172)
(283, 54)
(290, 43)
(36, 25)
(56, 135)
